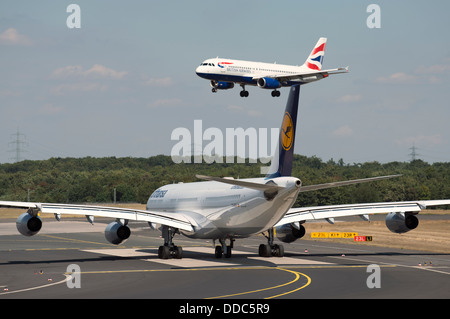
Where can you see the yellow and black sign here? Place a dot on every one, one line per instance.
(334, 235)
(319, 235)
(349, 234)
(287, 132)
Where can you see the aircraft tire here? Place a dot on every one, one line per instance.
(163, 252)
(228, 254)
(178, 252)
(264, 250)
(218, 252)
(279, 250)
(276, 93)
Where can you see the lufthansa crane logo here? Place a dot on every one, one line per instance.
(287, 132)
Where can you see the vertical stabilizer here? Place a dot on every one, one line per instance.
(284, 154)
(315, 59)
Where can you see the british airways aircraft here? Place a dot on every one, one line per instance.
(223, 73)
(226, 209)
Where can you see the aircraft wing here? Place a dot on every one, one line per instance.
(305, 75)
(177, 220)
(328, 212)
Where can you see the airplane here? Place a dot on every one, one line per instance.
(224, 73)
(224, 209)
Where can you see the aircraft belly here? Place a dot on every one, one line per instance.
(251, 217)
(228, 78)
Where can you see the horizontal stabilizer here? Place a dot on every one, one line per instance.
(345, 183)
(261, 187)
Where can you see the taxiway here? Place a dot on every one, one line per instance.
(38, 267)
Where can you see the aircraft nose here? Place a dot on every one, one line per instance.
(200, 70)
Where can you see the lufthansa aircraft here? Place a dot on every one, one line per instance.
(224, 209)
(223, 73)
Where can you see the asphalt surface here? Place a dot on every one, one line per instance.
(72, 259)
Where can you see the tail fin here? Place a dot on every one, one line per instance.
(315, 59)
(284, 154)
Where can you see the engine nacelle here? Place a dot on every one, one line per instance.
(116, 233)
(401, 222)
(221, 85)
(288, 233)
(28, 225)
(268, 83)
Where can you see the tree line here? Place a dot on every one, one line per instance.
(93, 180)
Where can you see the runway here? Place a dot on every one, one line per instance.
(42, 267)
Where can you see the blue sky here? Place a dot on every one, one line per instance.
(120, 84)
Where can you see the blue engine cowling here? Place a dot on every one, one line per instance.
(221, 85)
(268, 83)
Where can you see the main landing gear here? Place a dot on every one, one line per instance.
(169, 249)
(243, 93)
(270, 249)
(223, 249)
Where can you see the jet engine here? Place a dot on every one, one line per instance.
(268, 83)
(401, 222)
(288, 233)
(221, 85)
(116, 233)
(28, 225)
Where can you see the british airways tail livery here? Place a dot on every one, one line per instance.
(224, 73)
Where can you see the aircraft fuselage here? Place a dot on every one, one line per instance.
(220, 210)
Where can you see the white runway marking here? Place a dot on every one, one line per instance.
(239, 258)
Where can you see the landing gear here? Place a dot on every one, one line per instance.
(169, 249)
(243, 93)
(214, 90)
(224, 250)
(270, 249)
(276, 93)
(165, 252)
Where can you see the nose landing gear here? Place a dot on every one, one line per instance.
(224, 250)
